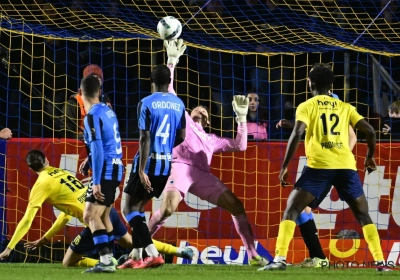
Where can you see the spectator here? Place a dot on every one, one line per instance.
(5, 134)
(256, 118)
(391, 124)
(74, 110)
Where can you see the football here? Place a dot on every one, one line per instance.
(169, 28)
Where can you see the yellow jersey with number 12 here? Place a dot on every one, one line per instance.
(327, 134)
(60, 189)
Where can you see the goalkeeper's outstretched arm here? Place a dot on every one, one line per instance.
(174, 51)
(240, 105)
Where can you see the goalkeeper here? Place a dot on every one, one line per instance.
(191, 165)
(66, 193)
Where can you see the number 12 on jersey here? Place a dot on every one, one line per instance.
(332, 117)
(160, 132)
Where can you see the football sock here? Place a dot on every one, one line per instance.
(309, 233)
(152, 251)
(165, 248)
(243, 228)
(100, 240)
(372, 238)
(110, 241)
(136, 254)
(87, 262)
(137, 221)
(285, 235)
(156, 222)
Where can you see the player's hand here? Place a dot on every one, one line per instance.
(369, 165)
(144, 179)
(36, 244)
(84, 167)
(98, 195)
(174, 49)
(283, 177)
(285, 124)
(386, 129)
(240, 105)
(5, 134)
(5, 254)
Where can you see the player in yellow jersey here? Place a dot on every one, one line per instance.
(65, 192)
(329, 162)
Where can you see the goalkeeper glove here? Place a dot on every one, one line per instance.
(174, 49)
(240, 106)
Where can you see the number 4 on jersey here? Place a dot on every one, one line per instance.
(160, 132)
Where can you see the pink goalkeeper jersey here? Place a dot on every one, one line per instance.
(199, 146)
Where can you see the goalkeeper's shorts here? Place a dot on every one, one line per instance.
(186, 178)
(318, 182)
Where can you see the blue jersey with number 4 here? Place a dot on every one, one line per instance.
(162, 114)
(103, 140)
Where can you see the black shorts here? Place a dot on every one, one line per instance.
(108, 188)
(83, 244)
(318, 182)
(135, 188)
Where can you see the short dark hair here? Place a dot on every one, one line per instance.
(90, 86)
(321, 77)
(36, 160)
(161, 75)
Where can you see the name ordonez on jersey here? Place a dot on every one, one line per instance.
(166, 105)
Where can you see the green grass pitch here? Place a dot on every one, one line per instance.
(187, 272)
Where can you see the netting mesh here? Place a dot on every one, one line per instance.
(241, 26)
(235, 47)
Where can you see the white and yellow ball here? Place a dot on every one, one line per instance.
(169, 28)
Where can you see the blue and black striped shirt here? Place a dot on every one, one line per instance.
(103, 140)
(162, 114)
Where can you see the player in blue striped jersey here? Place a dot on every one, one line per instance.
(162, 127)
(103, 141)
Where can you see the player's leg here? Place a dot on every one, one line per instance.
(309, 232)
(136, 199)
(96, 216)
(109, 228)
(82, 245)
(73, 259)
(208, 187)
(170, 202)
(307, 192)
(176, 188)
(350, 189)
(163, 248)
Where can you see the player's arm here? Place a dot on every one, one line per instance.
(60, 223)
(95, 142)
(144, 117)
(36, 199)
(360, 123)
(293, 143)
(352, 138)
(369, 132)
(181, 131)
(174, 51)
(240, 106)
(285, 124)
(5, 134)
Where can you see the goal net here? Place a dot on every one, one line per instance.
(234, 48)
